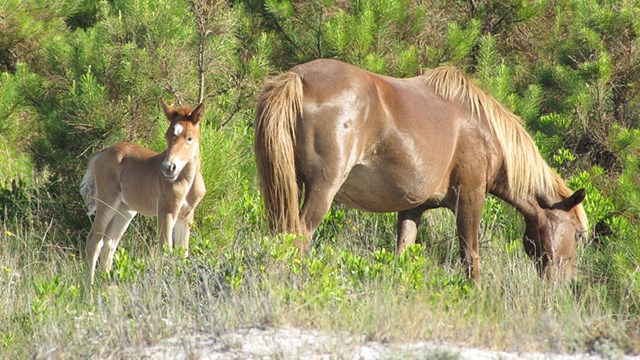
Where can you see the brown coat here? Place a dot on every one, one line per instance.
(382, 144)
(126, 179)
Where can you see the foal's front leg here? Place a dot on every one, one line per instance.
(170, 201)
(181, 231)
(167, 218)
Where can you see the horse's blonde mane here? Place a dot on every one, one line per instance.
(527, 172)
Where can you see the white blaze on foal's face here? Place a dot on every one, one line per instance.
(180, 149)
(182, 138)
(177, 129)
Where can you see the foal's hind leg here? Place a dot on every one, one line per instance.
(115, 230)
(95, 239)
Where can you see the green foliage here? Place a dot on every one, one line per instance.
(16, 129)
(53, 294)
(15, 200)
(78, 75)
(599, 206)
(26, 26)
(461, 40)
(125, 267)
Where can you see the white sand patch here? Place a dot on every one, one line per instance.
(291, 343)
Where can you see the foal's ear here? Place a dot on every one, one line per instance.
(168, 110)
(572, 201)
(197, 114)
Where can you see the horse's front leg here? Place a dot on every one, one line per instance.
(407, 228)
(182, 230)
(468, 211)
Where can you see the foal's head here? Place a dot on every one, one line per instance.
(183, 138)
(552, 238)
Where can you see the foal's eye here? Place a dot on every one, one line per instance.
(189, 139)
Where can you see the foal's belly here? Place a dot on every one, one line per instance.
(141, 200)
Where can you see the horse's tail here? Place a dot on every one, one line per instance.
(279, 107)
(88, 188)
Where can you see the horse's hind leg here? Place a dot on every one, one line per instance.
(317, 201)
(118, 225)
(407, 228)
(93, 247)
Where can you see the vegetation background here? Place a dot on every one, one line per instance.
(78, 75)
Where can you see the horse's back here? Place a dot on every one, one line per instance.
(406, 102)
(388, 142)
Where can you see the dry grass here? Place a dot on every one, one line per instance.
(347, 283)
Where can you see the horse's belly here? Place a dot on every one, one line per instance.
(368, 189)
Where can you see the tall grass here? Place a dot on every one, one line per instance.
(350, 281)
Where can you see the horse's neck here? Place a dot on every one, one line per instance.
(529, 205)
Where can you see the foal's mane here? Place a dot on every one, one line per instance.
(527, 172)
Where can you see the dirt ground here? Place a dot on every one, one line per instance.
(291, 343)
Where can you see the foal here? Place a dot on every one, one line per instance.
(126, 179)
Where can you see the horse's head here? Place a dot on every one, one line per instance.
(183, 138)
(551, 238)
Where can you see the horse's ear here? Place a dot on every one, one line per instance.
(197, 114)
(168, 110)
(572, 201)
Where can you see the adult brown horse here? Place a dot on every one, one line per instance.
(382, 144)
(125, 179)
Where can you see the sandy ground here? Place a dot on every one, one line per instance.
(291, 343)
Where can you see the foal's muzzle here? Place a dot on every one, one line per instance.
(169, 170)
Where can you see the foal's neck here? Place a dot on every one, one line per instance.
(189, 170)
(193, 166)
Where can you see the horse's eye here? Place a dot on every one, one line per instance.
(189, 139)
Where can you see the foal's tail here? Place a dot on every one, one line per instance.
(88, 188)
(279, 107)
